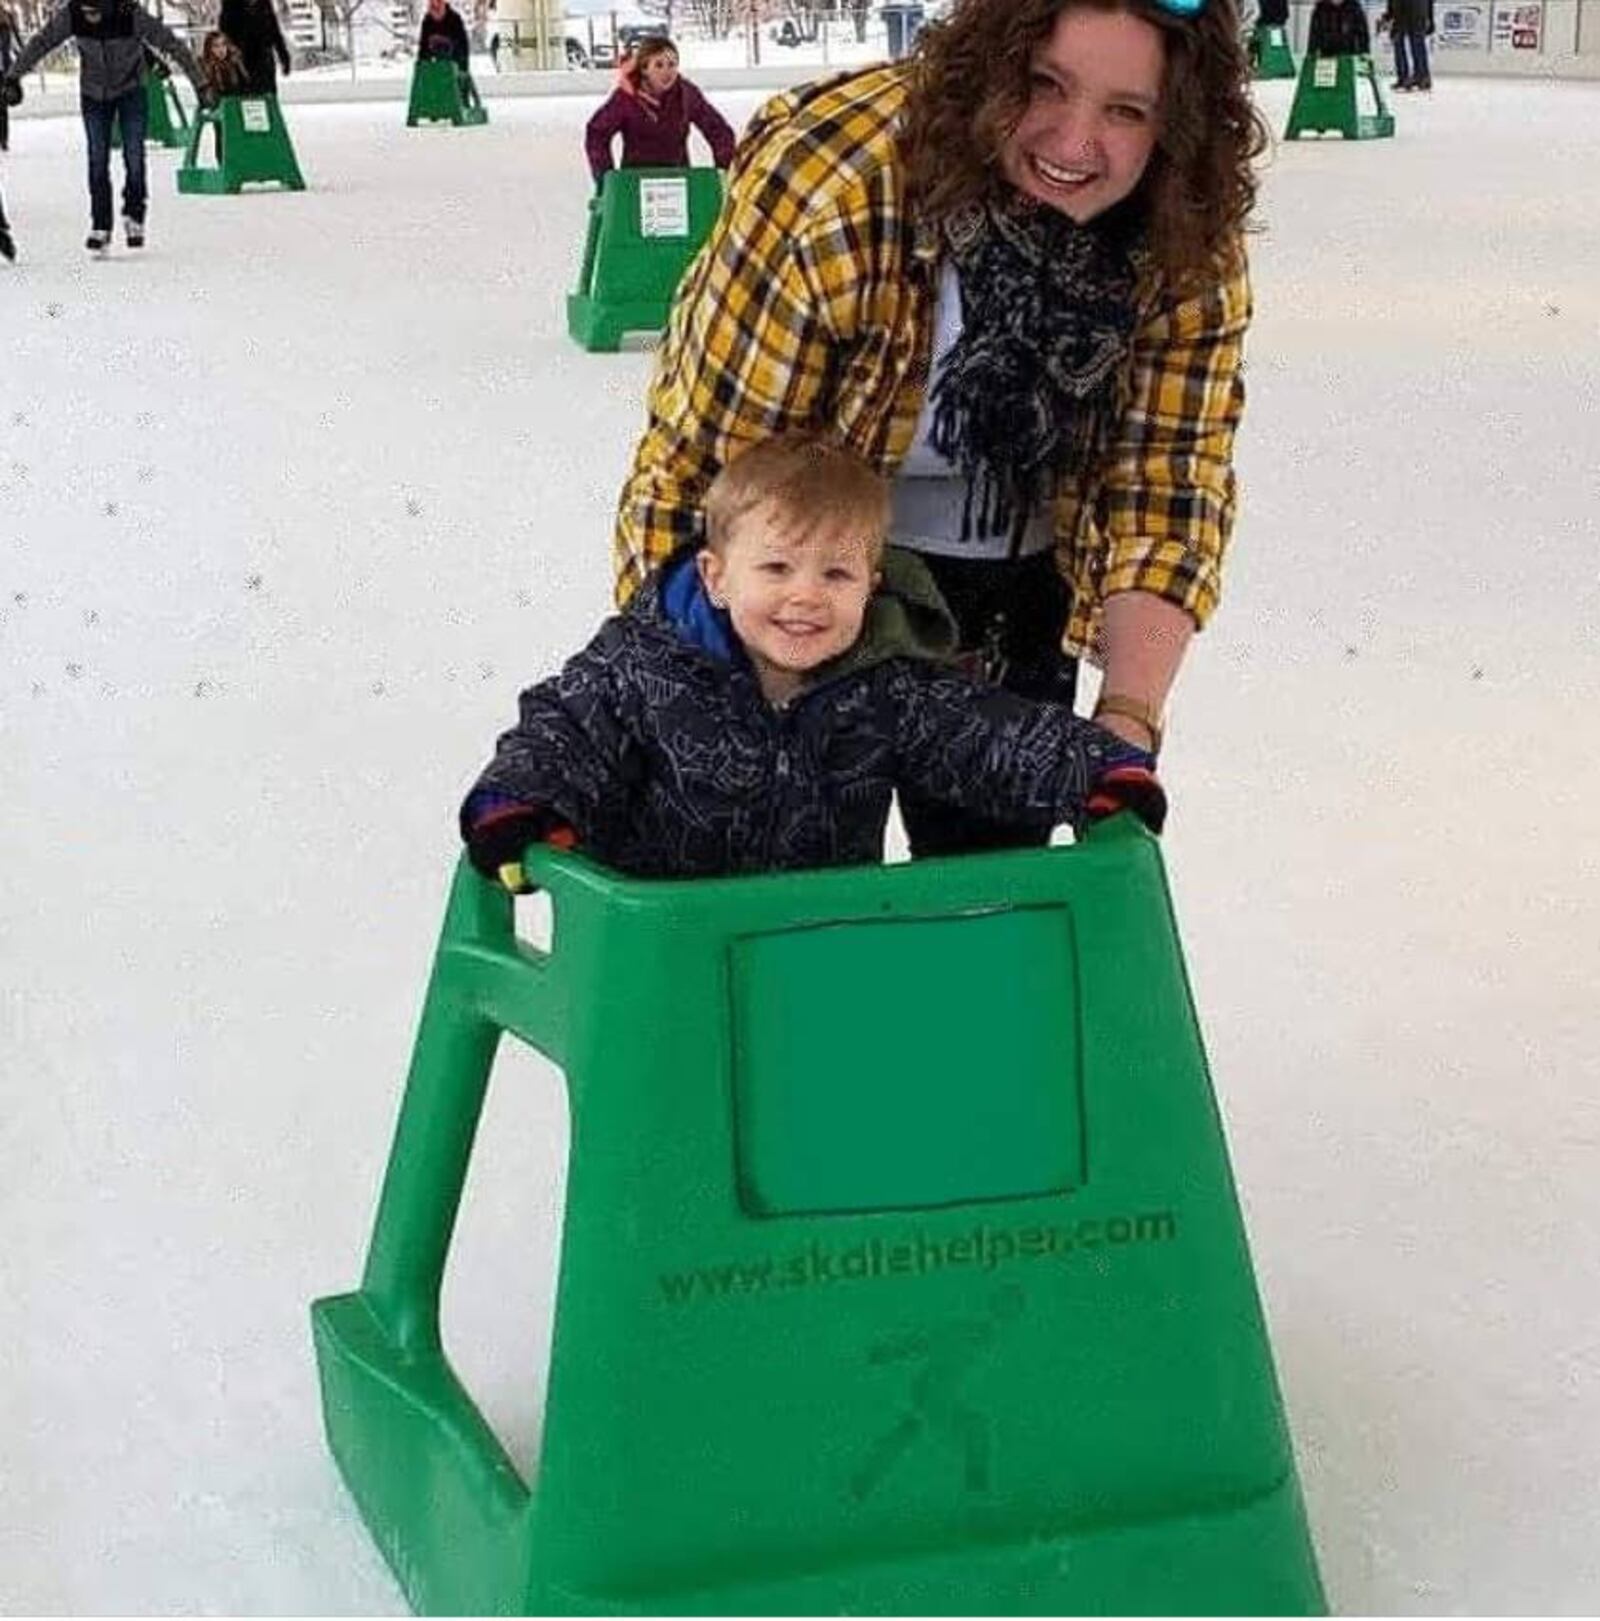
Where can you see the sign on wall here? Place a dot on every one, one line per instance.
(1519, 27)
(305, 23)
(1461, 28)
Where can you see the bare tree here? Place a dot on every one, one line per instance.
(198, 14)
(810, 17)
(342, 14)
(30, 15)
(714, 18)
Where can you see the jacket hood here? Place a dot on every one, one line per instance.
(906, 618)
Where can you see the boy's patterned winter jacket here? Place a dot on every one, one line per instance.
(657, 747)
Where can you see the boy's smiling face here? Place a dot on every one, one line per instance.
(797, 598)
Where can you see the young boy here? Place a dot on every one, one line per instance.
(760, 700)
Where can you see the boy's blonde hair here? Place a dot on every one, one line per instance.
(812, 481)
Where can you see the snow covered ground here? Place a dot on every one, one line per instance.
(290, 506)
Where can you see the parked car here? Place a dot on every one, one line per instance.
(306, 57)
(629, 34)
(603, 53)
(576, 53)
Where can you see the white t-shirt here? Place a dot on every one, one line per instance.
(928, 493)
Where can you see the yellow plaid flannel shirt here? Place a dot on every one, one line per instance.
(812, 306)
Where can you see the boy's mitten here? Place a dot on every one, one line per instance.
(497, 831)
(1129, 786)
(11, 91)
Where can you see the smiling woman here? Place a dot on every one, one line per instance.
(1089, 127)
(1009, 273)
(1038, 72)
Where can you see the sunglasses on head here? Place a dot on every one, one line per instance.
(1183, 8)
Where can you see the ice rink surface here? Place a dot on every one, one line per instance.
(291, 505)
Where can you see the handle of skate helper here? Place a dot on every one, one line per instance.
(511, 983)
(485, 983)
(513, 875)
(1115, 827)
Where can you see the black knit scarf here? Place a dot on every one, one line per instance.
(1024, 399)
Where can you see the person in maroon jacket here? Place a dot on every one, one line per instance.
(652, 109)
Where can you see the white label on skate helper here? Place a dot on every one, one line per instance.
(254, 116)
(663, 208)
(1326, 73)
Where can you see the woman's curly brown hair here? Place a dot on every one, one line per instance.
(970, 86)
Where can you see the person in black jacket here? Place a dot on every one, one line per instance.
(760, 700)
(252, 25)
(443, 38)
(9, 40)
(8, 45)
(8, 246)
(8, 89)
(1339, 28)
(111, 36)
(1269, 14)
(1409, 23)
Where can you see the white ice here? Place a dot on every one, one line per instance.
(293, 503)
